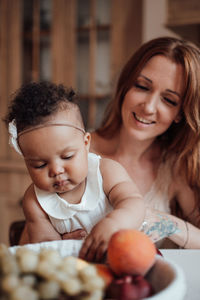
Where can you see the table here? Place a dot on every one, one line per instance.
(189, 261)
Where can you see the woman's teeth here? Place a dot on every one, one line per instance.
(142, 120)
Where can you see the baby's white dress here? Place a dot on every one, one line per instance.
(94, 205)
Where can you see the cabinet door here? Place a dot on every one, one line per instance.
(63, 39)
(183, 17)
(126, 37)
(10, 62)
(93, 42)
(106, 38)
(13, 175)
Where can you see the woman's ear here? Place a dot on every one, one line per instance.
(178, 118)
(87, 139)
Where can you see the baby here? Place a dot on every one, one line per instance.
(71, 188)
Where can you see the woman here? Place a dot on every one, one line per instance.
(152, 128)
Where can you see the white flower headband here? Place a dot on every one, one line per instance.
(13, 135)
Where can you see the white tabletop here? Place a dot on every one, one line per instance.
(189, 261)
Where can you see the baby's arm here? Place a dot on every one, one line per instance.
(38, 225)
(128, 209)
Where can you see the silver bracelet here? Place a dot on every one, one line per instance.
(187, 231)
(143, 226)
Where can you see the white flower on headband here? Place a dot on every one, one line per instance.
(13, 136)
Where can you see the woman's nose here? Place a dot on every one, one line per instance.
(56, 169)
(150, 105)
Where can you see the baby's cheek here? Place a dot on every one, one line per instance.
(43, 182)
(81, 170)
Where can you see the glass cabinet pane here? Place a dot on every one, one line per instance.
(37, 40)
(28, 15)
(82, 63)
(45, 39)
(45, 14)
(45, 58)
(83, 13)
(103, 12)
(93, 58)
(102, 76)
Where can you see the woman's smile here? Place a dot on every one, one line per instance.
(142, 120)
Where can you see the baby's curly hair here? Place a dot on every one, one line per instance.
(36, 100)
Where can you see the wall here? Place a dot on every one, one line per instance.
(154, 20)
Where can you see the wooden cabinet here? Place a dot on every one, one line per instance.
(82, 44)
(90, 49)
(183, 12)
(13, 175)
(183, 17)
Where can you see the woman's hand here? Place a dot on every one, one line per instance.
(78, 234)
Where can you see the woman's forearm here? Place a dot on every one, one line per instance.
(188, 237)
(159, 225)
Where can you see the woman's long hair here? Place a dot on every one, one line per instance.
(183, 138)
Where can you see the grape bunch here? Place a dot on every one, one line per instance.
(46, 275)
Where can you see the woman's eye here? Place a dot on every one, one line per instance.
(141, 87)
(68, 157)
(40, 166)
(172, 102)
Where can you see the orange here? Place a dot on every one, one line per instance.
(105, 272)
(130, 252)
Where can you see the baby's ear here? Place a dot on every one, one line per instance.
(87, 139)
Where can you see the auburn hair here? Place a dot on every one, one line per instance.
(181, 139)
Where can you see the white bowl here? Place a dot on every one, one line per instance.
(167, 279)
(64, 247)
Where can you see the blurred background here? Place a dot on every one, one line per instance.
(82, 44)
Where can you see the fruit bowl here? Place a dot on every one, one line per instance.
(167, 279)
(164, 281)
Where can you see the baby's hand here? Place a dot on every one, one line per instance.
(94, 248)
(95, 245)
(78, 234)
